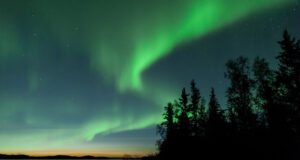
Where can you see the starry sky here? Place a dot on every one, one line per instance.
(92, 76)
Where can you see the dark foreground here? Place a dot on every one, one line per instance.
(233, 148)
(3, 156)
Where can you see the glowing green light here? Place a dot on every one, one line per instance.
(195, 19)
(121, 39)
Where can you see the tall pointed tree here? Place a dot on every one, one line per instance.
(183, 117)
(216, 120)
(288, 79)
(195, 99)
(166, 130)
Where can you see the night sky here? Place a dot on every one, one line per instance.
(93, 76)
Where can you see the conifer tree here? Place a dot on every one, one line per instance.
(183, 117)
(195, 99)
(167, 129)
(288, 80)
(216, 120)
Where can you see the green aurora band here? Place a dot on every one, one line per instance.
(143, 40)
(123, 39)
(193, 20)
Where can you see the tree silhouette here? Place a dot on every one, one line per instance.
(167, 129)
(183, 117)
(239, 94)
(195, 99)
(261, 119)
(216, 120)
(264, 78)
(288, 81)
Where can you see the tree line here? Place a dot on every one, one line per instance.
(260, 121)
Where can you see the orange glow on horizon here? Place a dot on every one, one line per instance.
(78, 153)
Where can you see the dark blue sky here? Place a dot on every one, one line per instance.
(92, 77)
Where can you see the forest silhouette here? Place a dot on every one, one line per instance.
(260, 121)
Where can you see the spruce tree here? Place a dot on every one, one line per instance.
(195, 99)
(216, 120)
(288, 81)
(183, 117)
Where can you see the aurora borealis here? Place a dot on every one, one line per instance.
(92, 77)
